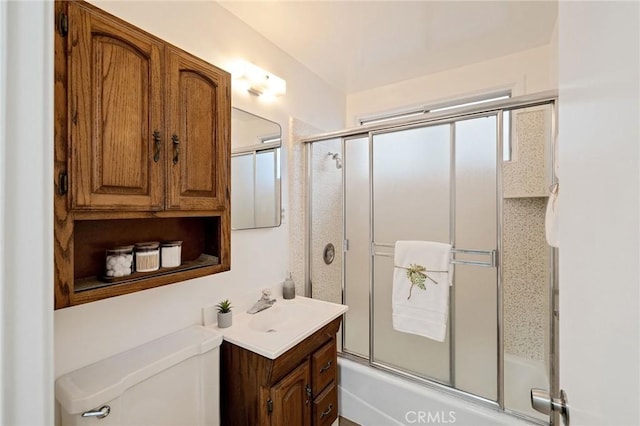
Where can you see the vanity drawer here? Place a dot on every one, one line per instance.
(323, 366)
(325, 407)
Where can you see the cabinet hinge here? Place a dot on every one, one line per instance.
(63, 183)
(270, 405)
(62, 24)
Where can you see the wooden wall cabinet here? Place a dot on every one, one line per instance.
(297, 388)
(142, 152)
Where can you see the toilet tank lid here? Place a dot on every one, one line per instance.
(100, 382)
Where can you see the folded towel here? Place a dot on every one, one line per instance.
(420, 306)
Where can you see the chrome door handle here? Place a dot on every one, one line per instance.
(541, 401)
(101, 413)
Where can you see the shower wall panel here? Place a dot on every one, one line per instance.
(526, 254)
(326, 221)
(298, 212)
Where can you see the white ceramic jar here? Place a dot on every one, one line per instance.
(171, 254)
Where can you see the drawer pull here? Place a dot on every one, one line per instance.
(326, 412)
(326, 367)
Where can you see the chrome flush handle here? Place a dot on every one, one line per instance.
(99, 414)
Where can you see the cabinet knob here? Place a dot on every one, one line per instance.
(176, 148)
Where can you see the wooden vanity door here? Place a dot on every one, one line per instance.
(291, 401)
(115, 110)
(198, 147)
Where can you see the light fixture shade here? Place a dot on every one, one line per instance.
(258, 81)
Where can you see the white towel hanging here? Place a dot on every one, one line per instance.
(426, 311)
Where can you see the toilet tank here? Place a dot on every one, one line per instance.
(171, 381)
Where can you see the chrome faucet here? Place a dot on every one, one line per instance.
(265, 302)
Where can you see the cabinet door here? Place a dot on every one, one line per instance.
(291, 401)
(115, 86)
(198, 119)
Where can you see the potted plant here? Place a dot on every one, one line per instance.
(224, 314)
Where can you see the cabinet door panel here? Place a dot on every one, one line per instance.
(197, 121)
(291, 404)
(115, 107)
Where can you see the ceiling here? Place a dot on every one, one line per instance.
(358, 45)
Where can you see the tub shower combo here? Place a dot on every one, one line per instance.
(476, 177)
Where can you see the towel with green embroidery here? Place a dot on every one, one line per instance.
(421, 280)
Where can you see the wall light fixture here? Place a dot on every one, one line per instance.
(257, 81)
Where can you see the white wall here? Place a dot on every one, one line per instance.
(599, 210)
(259, 257)
(525, 72)
(26, 211)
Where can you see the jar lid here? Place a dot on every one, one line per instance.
(121, 249)
(150, 245)
(171, 243)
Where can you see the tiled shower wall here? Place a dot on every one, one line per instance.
(326, 213)
(526, 255)
(297, 200)
(326, 221)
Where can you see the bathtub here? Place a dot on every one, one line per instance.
(372, 397)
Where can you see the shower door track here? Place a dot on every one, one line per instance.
(453, 114)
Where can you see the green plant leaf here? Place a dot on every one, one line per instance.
(224, 306)
(416, 274)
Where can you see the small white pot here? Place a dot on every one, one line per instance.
(225, 319)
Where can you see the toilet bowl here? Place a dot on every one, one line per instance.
(171, 381)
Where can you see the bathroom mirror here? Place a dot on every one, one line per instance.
(255, 171)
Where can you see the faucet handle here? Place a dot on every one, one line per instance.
(266, 293)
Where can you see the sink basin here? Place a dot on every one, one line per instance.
(275, 330)
(278, 318)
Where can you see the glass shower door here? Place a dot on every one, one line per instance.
(411, 199)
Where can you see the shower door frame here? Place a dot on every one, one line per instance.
(493, 108)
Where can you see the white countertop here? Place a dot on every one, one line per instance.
(275, 330)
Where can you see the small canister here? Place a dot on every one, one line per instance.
(118, 261)
(147, 256)
(171, 254)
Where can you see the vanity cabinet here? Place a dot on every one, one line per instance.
(142, 153)
(297, 388)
